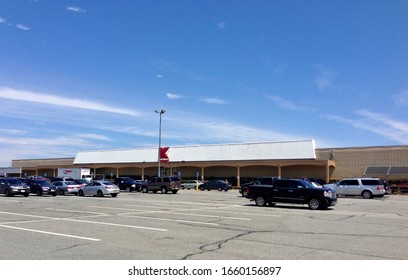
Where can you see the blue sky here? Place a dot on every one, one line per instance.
(89, 75)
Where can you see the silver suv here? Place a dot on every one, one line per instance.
(366, 187)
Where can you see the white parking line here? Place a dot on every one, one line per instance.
(83, 221)
(51, 233)
(171, 220)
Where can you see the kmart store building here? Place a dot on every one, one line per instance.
(236, 162)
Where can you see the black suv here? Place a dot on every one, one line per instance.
(292, 191)
(127, 184)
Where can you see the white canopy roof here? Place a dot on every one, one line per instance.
(304, 149)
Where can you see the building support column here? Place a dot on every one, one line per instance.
(279, 171)
(238, 176)
(327, 172)
(202, 173)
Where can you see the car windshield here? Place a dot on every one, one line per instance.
(70, 183)
(128, 180)
(14, 182)
(106, 183)
(43, 183)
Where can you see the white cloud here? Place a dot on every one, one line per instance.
(2, 20)
(22, 27)
(173, 96)
(324, 78)
(378, 124)
(221, 25)
(213, 100)
(287, 104)
(159, 76)
(12, 131)
(401, 99)
(29, 96)
(76, 9)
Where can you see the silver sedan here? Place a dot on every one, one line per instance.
(99, 188)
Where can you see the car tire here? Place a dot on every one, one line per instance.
(367, 194)
(174, 191)
(244, 193)
(26, 195)
(163, 190)
(202, 188)
(144, 190)
(61, 192)
(114, 194)
(6, 192)
(314, 204)
(54, 194)
(99, 193)
(128, 189)
(219, 189)
(260, 201)
(81, 193)
(38, 193)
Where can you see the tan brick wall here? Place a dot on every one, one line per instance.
(351, 162)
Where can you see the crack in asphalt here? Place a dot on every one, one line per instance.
(215, 246)
(71, 247)
(218, 245)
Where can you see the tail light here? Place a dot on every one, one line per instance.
(379, 187)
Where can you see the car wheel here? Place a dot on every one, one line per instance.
(99, 193)
(114, 194)
(144, 189)
(174, 191)
(219, 189)
(367, 194)
(81, 193)
(163, 190)
(26, 195)
(39, 193)
(61, 192)
(202, 188)
(260, 201)
(182, 187)
(244, 193)
(54, 194)
(6, 192)
(314, 204)
(128, 189)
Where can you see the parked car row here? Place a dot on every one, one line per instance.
(272, 190)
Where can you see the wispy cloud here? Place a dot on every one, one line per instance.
(2, 20)
(173, 96)
(401, 99)
(287, 104)
(221, 25)
(324, 78)
(377, 123)
(213, 100)
(76, 9)
(28, 96)
(22, 27)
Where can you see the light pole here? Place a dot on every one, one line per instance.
(161, 112)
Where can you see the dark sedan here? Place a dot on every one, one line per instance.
(40, 187)
(215, 185)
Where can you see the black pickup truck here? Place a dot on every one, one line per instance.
(292, 191)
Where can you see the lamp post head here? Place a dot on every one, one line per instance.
(160, 112)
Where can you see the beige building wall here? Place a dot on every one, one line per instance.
(352, 162)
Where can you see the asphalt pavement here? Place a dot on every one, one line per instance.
(196, 225)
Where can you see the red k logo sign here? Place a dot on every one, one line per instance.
(163, 154)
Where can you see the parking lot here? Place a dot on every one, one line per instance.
(196, 225)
